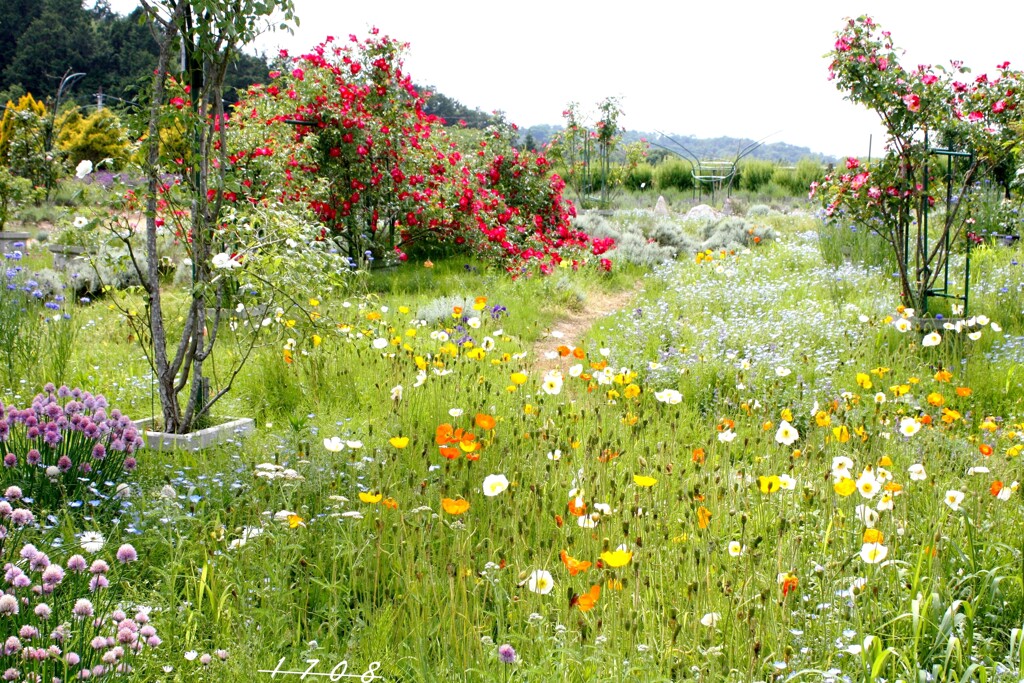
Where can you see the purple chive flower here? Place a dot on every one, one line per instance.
(43, 611)
(53, 574)
(77, 564)
(64, 463)
(506, 654)
(12, 493)
(99, 567)
(82, 609)
(33, 457)
(22, 517)
(12, 645)
(98, 582)
(10, 460)
(126, 553)
(72, 658)
(8, 605)
(39, 562)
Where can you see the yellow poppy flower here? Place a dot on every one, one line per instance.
(646, 482)
(370, 497)
(616, 558)
(845, 486)
(399, 441)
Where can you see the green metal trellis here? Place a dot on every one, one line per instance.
(921, 264)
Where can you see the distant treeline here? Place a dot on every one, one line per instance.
(41, 41)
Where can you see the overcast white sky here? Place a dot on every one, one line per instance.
(704, 68)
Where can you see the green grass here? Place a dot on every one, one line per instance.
(431, 595)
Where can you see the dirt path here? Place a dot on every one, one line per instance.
(570, 330)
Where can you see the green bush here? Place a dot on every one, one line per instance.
(640, 178)
(755, 174)
(14, 191)
(798, 179)
(676, 174)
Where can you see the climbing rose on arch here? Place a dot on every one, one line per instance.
(352, 144)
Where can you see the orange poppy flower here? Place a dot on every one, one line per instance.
(450, 452)
(925, 419)
(985, 449)
(484, 421)
(559, 521)
(579, 353)
(703, 517)
(573, 565)
(577, 507)
(474, 456)
(588, 600)
(600, 365)
(443, 434)
(698, 456)
(963, 392)
(454, 506)
(789, 584)
(996, 487)
(390, 503)
(873, 536)
(564, 350)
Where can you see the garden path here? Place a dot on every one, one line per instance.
(570, 329)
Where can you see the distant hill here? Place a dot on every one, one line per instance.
(537, 137)
(722, 148)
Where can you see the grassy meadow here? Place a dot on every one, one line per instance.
(761, 468)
